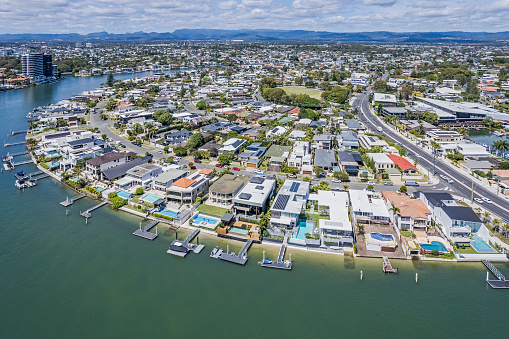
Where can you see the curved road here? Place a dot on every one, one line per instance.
(462, 182)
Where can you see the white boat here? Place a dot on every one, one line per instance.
(20, 184)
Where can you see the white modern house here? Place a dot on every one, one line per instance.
(289, 203)
(368, 207)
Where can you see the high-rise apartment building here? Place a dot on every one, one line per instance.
(37, 66)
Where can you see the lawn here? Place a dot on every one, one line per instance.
(313, 93)
(467, 250)
(214, 210)
(316, 217)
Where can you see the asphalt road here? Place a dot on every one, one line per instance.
(462, 185)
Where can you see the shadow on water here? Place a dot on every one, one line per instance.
(418, 264)
(349, 262)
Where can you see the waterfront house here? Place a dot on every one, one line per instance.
(289, 203)
(143, 175)
(456, 222)
(97, 165)
(255, 196)
(186, 190)
(337, 230)
(120, 171)
(223, 190)
(411, 214)
(162, 181)
(368, 207)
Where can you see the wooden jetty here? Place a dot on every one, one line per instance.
(144, 232)
(87, 214)
(181, 248)
(240, 258)
(21, 162)
(14, 143)
(501, 282)
(280, 263)
(68, 202)
(387, 267)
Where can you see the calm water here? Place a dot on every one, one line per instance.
(484, 136)
(62, 278)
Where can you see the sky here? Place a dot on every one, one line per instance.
(121, 16)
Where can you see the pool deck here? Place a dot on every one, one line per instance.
(360, 244)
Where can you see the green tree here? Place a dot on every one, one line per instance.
(139, 191)
(180, 151)
(195, 141)
(403, 189)
(298, 81)
(104, 136)
(110, 81)
(201, 105)
(317, 170)
(222, 159)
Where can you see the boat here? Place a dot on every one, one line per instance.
(216, 252)
(20, 184)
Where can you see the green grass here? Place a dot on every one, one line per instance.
(467, 250)
(313, 93)
(316, 217)
(407, 234)
(214, 210)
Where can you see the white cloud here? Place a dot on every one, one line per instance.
(256, 3)
(228, 4)
(384, 3)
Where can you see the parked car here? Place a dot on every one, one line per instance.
(291, 176)
(337, 181)
(411, 183)
(177, 158)
(159, 152)
(198, 161)
(370, 183)
(315, 179)
(219, 165)
(123, 146)
(257, 171)
(192, 167)
(478, 200)
(486, 200)
(388, 183)
(450, 181)
(235, 168)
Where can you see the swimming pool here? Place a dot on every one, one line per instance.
(167, 213)
(150, 198)
(200, 218)
(381, 237)
(304, 227)
(480, 245)
(238, 230)
(123, 194)
(435, 245)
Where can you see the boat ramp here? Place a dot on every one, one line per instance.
(240, 258)
(387, 267)
(68, 202)
(144, 232)
(181, 248)
(500, 282)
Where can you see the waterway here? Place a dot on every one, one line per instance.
(62, 278)
(484, 136)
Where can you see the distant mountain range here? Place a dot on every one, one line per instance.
(265, 35)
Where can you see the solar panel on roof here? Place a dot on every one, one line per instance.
(245, 196)
(295, 187)
(371, 139)
(281, 202)
(237, 143)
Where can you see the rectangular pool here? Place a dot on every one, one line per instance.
(200, 218)
(238, 230)
(480, 245)
(304, 227)
(150, 198)
(167, 213)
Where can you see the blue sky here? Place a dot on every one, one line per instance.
(120, 16)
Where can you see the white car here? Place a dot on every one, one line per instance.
(486, 200)
(370, 183)
(337, 181)
(257, 171)
(478, 200)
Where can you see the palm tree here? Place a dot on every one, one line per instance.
(496, 224)
(346, 187)
(395, 210)
(500, 145)
(486, 216)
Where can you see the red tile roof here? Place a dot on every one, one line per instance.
(184, 182)
(402, 163)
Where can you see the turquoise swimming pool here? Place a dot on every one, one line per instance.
(150, 198)
(167, 213)
(304, 227)
(238, 230)
(200, 218)
(435, 245)
(480, 245)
